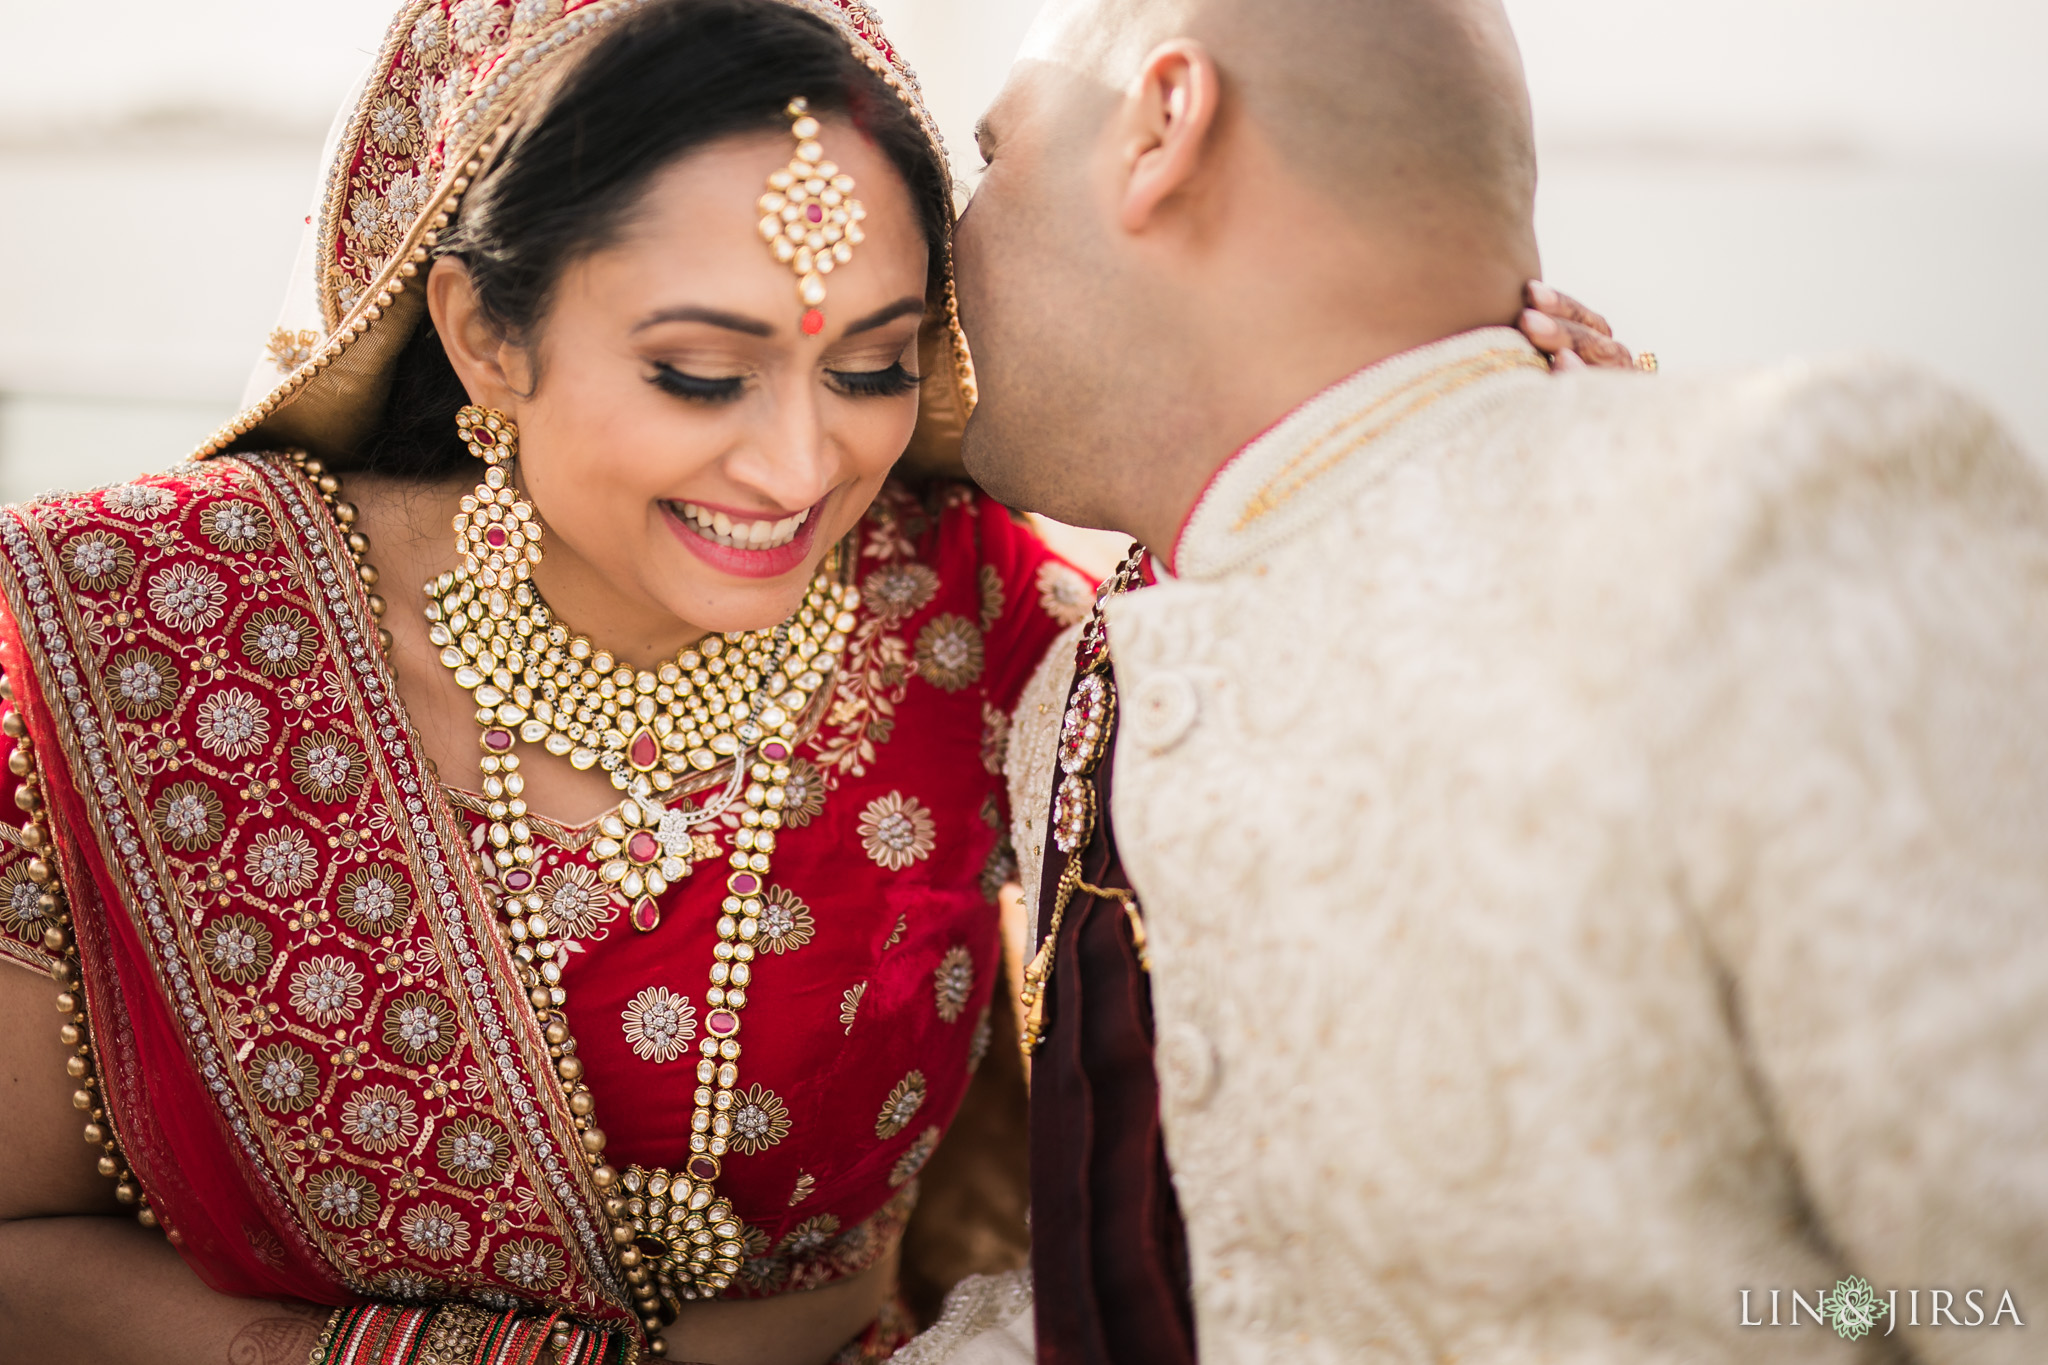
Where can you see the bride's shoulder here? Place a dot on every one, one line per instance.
(154, 504)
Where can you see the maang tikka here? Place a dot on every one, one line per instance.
(810, 219)
(496, 530)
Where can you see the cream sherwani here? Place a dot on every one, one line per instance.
(1594, 838)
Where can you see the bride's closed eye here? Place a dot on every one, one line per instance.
(892, 382)
(669, 379)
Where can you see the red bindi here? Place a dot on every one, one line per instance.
(814, 322)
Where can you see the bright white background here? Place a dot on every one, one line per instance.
(1731, 182)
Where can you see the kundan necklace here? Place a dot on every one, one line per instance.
(738, 697)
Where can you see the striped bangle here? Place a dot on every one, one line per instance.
(459, 1334)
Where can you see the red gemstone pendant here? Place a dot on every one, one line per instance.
(643, 847)
(646, 914)
(643, 751)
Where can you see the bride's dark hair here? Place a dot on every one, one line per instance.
(668, 79)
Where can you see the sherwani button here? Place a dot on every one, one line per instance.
(1187, 1065)
(1161, 710)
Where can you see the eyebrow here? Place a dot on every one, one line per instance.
(882, 317)
(732, 322)
(754, 327)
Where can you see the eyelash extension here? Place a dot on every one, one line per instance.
(890, 383)
(671, 380)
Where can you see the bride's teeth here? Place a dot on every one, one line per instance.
(742, 535)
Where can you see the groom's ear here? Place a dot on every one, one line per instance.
(1164, 129)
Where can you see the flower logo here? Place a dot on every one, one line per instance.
(1853, 1308)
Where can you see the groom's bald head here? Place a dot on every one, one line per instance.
(1379, 100)
(1197, 212)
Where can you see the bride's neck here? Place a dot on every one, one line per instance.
(412, 542)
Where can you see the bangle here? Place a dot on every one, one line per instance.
(324, 1346)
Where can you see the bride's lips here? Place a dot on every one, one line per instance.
(715, 535)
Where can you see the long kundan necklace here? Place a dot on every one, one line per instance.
(733, 698)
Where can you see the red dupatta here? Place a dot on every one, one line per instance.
(275, 917)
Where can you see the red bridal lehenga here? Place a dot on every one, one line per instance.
(304, 1042)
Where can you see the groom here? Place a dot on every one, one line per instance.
(1566, 877)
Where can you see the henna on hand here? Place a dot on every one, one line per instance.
(1569, 332)
(285, 1339)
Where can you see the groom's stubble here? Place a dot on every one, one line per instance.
(1360, 181)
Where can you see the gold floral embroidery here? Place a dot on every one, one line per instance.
(895, 592)
(992, 595)
(1063, 594)
(189, 815)
(977, 1047)
(23, 904)
(375, 899)
(326, 990)
(953, 982)
(329, 766)
(280, 641)
(999, 869)
(576, 900)
(281, 862)
(421, 1026)
(786, 922)
(849, 1004)
(949, 652)
(237, 948)
(188, 598)
(344, 1198)
(896, 934)
(804, 1185)
(902, 1105)
(144, 683)
(659, 1024)
(803, 796)
(435, 1231)
(239, 527)
(759, 1120)
(380, 1118)
(288, 349)
(140, 501)
(474, 1151)
(408, 1286)
(98, 561)
(394, 126)
(897, 830)
(810, 1236)
(286, 1078)
(995, 739)
(529, 1263)
(232, 724)
(914, 1157)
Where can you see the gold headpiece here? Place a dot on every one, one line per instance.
(810, 219)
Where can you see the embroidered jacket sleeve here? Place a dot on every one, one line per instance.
(1870, 769)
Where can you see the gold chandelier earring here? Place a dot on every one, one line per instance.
(496, 530)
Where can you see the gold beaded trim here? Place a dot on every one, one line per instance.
(76, 1030)
(344, 514)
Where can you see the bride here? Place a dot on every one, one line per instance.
(513, 826)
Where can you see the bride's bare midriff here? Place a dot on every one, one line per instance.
(409, 545)
(793, 1329)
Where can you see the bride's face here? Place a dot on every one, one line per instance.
(692, 453)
